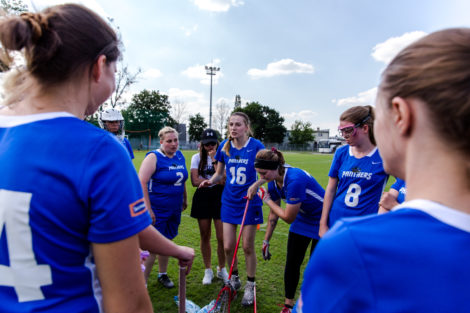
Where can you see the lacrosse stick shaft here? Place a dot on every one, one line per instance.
(182, 290)
(238, 240)
(254, 298)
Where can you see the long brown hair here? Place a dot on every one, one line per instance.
(436, 70)
(203, 157)
(58, 43)
(246, 119)
(361, 115)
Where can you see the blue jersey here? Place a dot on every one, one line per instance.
(400, 186)
(166, 186)
(360, 184)
(241, 174)
(125, 142)
(413, 259)
(300, 187)
(64, 184)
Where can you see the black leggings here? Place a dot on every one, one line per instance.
(296, 247)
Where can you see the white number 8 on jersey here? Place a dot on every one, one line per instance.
(352, 196)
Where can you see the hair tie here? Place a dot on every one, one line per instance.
(37, 22)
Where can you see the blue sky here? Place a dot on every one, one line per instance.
(309, 60)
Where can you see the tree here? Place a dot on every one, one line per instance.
(148, 110)
(178, 111)
(124, 79)
(196, 127)
(222, 112)
(266, 123)
(301, 133)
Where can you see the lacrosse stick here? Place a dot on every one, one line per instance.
(182, 290)
(227, 293)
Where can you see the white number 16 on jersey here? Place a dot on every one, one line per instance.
(24, 274)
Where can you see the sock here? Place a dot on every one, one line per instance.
(288, 306)
(252, 279)
(235, 272)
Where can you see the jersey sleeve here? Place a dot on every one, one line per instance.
(273, 193)
(335, 164)
(219, 155)
(195, 159)
(336, 279)
(295, 191)
(397, 184)
(113, 193)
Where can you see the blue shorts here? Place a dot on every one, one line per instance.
(167, 225)
(232, 215)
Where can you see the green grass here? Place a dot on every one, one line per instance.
(269, 274)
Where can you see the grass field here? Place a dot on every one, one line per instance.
(269, 274)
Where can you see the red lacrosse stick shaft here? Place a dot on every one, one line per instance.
(239, 236)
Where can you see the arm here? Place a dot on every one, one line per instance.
(218, 176)
(253, 189)
(196, 180)
(185, 197)
(147, 168)
(388, 201)
(121, 279)
(272, 223)
(330, 193)
(289, 214)
(154, 242)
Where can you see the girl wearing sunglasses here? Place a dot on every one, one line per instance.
(357, 177)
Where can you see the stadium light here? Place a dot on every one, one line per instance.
(211, 70)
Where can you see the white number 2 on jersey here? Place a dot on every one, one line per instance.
(23, 274)
(352, 196)
(181, 177)
(238, 175)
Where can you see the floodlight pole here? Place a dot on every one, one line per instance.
(211, 70)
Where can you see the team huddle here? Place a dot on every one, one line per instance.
(75, 216)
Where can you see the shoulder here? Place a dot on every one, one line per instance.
(195, 158)
(255, 142)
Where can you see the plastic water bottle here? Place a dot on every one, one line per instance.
(207, 308)
(191, 307)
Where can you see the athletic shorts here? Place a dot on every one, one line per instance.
(207, 202)
(167, 225)
(232, 215)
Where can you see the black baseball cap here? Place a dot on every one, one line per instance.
(209, 135)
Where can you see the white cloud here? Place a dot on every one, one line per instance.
(304, 116)
(152, 73)
(387, 50)
(217, 5)
(188, 31)
(199, 72)
(282, 67)
(363, 98)
(195, 102)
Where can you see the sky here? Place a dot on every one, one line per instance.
(308, 59)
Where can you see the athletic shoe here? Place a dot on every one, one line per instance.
(249, 295)
(286, 310)
(235, 282)
(208, 276)
(222, 274)
(166, 281)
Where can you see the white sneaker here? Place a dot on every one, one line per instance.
(249, 295)
(208, 276)
(222, 274)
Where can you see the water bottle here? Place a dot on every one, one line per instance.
(207, 308)
(191, 307)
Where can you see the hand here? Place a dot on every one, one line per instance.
(251, 192)
(211, 153)
(323, 229)
(185, 205)
(152, 216)
(185, 257)
(205, 183)
(264, 194)
(388, 201)
(265, 250)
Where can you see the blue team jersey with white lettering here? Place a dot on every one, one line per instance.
(360, 184)
(300, 187)
(413, 259)
(166, 186)
(64, 184)
(400, 186)
(125, 142)
(241, 174)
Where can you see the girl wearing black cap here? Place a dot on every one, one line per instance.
(304, 200)
(207, 202)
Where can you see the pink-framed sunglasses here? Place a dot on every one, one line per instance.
(351, 129)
